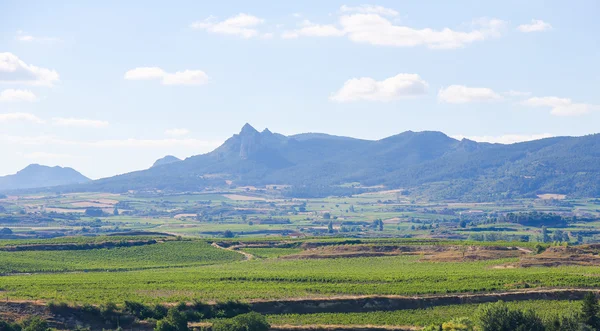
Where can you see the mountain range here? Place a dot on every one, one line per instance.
(426, 162)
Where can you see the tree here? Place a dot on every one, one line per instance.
(545, 235)
(326, 216)
(246, 322)
(463, 224)
(94, 212)
(589, 311)
(116, 211)
(557, 235)
(330, 227)
(5, 231)
(228, 234)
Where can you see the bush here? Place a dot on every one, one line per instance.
(458, 324)
(60, 308)
(34, 323)
(498, 317)
(246, 322)
(6, 326)
(589, 311)
(174, 321)
(138, 310)
(230, 309)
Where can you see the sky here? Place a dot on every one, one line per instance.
(107, 87)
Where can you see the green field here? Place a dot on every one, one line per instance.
(278, 279)
(159, 255)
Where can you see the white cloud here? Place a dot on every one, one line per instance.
(186, 77)
(309, 29)
(177, 132)
(512, 93)
(12, 95)
(505, 139)
(368, 9)
(20, 117)
(560, 106)
(464, 94)
(535, 26)
(366, 88)
(79, 122)
(145, 73)
(243, 25)
(377, 30)
(371, 27)
(14, 70)
(23, 37)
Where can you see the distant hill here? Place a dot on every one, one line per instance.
(429, 162)
(38, 176)
(166, 160)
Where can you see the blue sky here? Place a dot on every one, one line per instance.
(107, 87)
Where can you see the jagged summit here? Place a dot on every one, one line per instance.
(248, 129)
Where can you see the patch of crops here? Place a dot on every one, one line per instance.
(167, 254)
(271, 252)
(74, 240)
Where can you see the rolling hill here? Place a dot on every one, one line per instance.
(39, 176)
(431, 162)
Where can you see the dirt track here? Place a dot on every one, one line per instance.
(247, 256)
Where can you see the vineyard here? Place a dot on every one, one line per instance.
(207, 273)
(158, 255)
(420, 317)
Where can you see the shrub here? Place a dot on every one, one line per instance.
(458, 324)
(138, 310)
(498, 317)
(6, 326)
(60, 308)
(246, 322)
(34, 323)
(174, 321)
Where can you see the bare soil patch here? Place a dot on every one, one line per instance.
(242, 197)
(427, 252)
